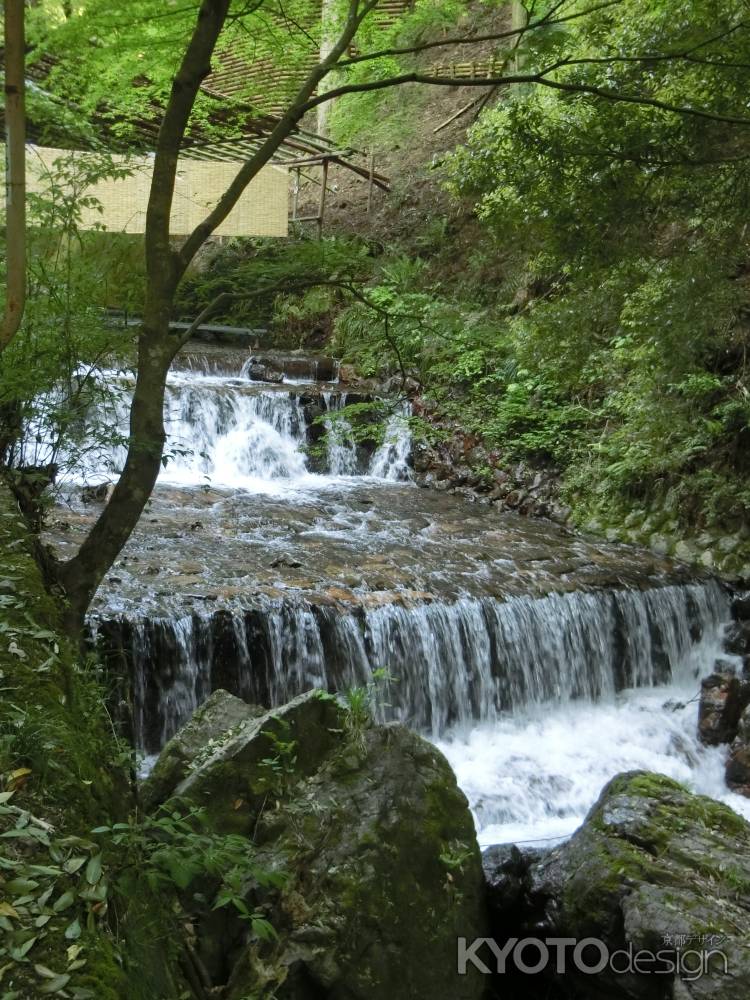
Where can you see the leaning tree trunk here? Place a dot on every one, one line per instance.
(81, 576)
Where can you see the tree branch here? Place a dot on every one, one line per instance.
(539, 78)
(194, 68)
(286, 125)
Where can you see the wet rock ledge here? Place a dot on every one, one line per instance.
(654, 870)
(724, 711)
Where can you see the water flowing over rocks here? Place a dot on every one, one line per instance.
(451, 663)
(374, 838)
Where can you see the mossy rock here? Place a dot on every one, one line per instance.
(383, 875)
(210, 727)
(653, 865)
(375, 849)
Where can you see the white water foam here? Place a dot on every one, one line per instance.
(223, 433)
(532, 778)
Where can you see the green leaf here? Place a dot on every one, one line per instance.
(72, 865)
(67, 899)
(20, 886)
(22, 950)
(55, 985)
(94, 869)
(73, 931)
(44, 972)
(44, 898)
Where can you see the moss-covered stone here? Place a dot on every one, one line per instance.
(375, 846)
(212, 726)
(653, 864)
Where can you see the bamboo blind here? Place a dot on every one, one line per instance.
(120, 204)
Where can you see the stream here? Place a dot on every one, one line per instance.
(268, 562)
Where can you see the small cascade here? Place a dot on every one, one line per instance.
(341, 447)
(391, 460)
(229, 433)
(450, 664)
(312, 567)
(232, 437)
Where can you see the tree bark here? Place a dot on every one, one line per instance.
(15, 171)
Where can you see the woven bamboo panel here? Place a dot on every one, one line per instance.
(121, 204)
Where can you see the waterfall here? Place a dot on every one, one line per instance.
(536, 700)
(391, 460)
(342, 450)
(450, 664)
(233, 434)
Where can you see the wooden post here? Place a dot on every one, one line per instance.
(295, 194)
(15, 170)
(371, 181)
(322, 206)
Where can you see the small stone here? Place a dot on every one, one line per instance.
(659, 544)
(728, 544)
(684, 551)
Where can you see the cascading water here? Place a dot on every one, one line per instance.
(342, 451)
(238, 435)
(287, 579)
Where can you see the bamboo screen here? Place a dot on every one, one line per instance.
(120, 204)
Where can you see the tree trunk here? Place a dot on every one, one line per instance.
(15, 171)
(520, 18)
(82, 575)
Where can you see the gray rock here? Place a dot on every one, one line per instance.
(213, 722)
(722, 701)
(507, 877)
(653, 867)
(382, 872)
(737, 638)
(738, 763)
(741, 607)
(257, 371)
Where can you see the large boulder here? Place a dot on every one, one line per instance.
(653, 868)
(377, 847)
(211, 725)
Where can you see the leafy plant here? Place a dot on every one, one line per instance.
(363, 703)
